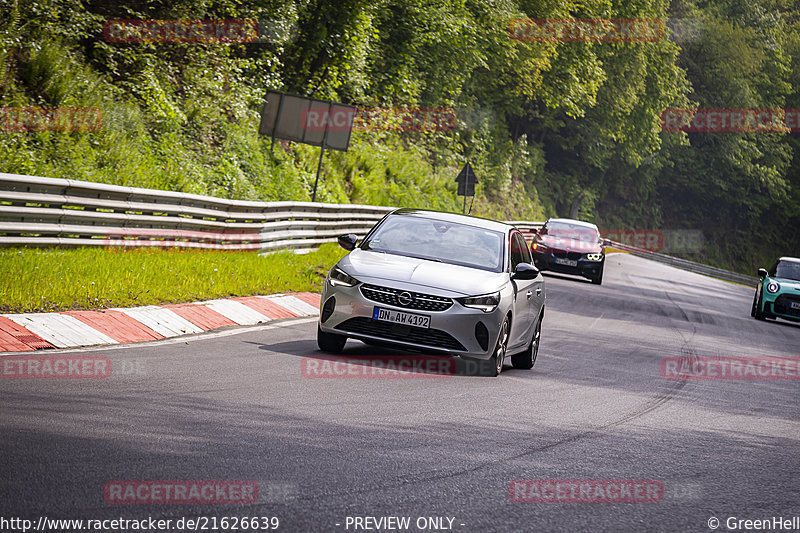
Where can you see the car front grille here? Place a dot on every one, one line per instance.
(398, 332)
(567, 255)
(782, 304)
(389, 296)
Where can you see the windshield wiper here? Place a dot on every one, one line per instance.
(424, 258)
(392, 252)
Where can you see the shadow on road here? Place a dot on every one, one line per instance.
(378, 361)
(558, 275)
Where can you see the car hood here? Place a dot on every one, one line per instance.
(439, 279)
(788, 284)
(570, 245)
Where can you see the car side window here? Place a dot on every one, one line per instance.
(517, 251)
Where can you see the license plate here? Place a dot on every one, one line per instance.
(794, 305)
(400, 317)
(566, 262)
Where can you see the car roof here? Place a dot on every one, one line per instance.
(572, 221)
(469, 220)
(790, 259)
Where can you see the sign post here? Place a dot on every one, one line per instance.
(466, 184)
(322, 151)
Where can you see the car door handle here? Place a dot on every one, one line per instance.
(538, 291)
(528, 295)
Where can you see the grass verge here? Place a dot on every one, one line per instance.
(34, 280)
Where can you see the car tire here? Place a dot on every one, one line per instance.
(330, 342)
(494, 365)
(526, 359)
(758, 303)
(598, 279)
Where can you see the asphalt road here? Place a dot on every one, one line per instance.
(239, 406)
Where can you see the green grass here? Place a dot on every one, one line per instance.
(34, 280)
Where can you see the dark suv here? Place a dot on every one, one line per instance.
(570, 247)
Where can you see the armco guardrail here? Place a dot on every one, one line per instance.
(58, 212)
(38, 211)
(685, 264)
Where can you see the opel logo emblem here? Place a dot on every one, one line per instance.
(405, 298)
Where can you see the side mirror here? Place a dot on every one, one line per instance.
(348, 242)
(605, 242)
(525, 271)
(762, 273)
(534, 231)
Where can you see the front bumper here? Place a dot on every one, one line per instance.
(584, 267)
(454, 331)
(780, 305)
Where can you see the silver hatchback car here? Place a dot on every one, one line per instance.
(437, 282)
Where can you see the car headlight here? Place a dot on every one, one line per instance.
(339, 277)
(486, 303)
(773, 287)
(594, 257)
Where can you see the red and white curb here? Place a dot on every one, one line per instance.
(71, 329)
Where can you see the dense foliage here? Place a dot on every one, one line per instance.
(552, 128)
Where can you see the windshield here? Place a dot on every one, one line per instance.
(787, 270)
(437, 240)
(565, 234)
(571, 231)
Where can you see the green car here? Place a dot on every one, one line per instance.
(778, 292)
